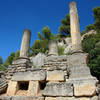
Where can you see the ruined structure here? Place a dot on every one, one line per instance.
(3, 83)
(64, 77)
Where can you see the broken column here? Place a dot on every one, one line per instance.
(75, 28)
(25, 43)
(23, 62)
(53, 48)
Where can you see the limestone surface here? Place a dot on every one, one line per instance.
(38, 60)
(84, 89)
(25, 45)
(20, 61)
(3, 83)
(12, 88)
(27, 76)
(57, 75)
(53, 48)
(58, 89)
(75, 28)
(33, 88)
(21, 98)
(67, 98)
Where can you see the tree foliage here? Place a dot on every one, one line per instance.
(42, 44)
(90, 27)
(91, 45)
(39, 46)
(9, 59)
(96, 12)
(46, 34)
(64, 29)
(60, 51)
(1, 60)
(1, 64)
(13, 56)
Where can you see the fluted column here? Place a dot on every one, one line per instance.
(75, 28)
(25, 45)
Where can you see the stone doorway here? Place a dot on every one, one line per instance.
(22, 88)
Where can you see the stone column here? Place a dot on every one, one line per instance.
(25, 43)
(75, 28)
(53, 48)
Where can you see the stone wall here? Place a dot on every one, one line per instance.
(3, 83)
(61, 78)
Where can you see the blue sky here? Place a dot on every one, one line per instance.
(16, 15)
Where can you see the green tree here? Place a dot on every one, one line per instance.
(64, 29)
(90, 27)
(39, 46)
(46, 34)
(17, 55)
(42, 44)
(60, 51)
(9, 59)
(2, 68)
(96, 12)
(91, 45)
(1, 61)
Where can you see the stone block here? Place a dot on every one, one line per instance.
(58, 89)
(67, 98)
(26, 76)
(77, 59)
(99, 96)
(27, 98)
(33, 88)
(12, 88)
(20, 61)
(38, 60)
(79, 71)
(51, 98)
(5, 98)
(84, 89)
(56, 75)
(94, 98)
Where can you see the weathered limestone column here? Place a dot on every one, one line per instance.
(25, 43)
(53, 48)
(75, 28)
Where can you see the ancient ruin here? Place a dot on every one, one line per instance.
(75, 28)
(53, 48)
(25, 43)
(65, 77)
(3, 83)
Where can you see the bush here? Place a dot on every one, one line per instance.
(91, 45)
(60, 51)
